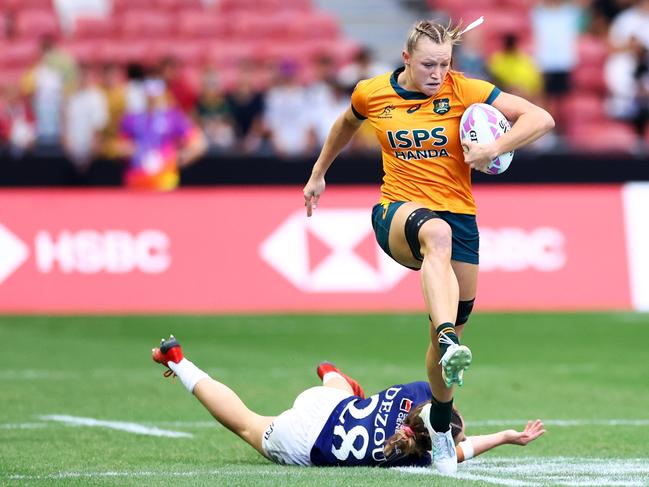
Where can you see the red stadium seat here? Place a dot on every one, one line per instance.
(583, 108)
(34, 23)
(247, 25)
(10, 77)
(16, 5)
(179, 4)
(589, 79)
(94, 27)
(188, 52)
(342, 51)
(604, 137)
(201, 24)
(122, 52)
(318, 25)
(83, 50)
(119, 6)
(137, 24)
(19, 52)
(3, 27)
(591, 50)
(227, 55)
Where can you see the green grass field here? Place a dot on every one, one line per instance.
(586, 375)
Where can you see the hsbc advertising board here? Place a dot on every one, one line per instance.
(254, 250)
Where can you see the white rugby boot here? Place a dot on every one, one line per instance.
(455, 361)
(444, 455)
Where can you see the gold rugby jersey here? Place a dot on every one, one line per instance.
(420, 141)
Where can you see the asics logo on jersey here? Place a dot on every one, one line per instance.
(387, 112)
(413, 108)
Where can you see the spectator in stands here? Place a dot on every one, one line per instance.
(327, 97)
(286, 116)
(470, 58)
(629, 42)
(114, 90)
(182, 92)
(213, 113)
(514, 71)
(17, 131)
(246, 104)
(53, 76)
(159, 142)
(363, 67)
(642, 114)
(135, 96)
(555, 29)
(86, 115)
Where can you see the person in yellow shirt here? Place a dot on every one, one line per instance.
(514, 70)
(425, 219)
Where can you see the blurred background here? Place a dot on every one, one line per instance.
(73, 72)
(237, 97)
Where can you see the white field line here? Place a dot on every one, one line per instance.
(22, 426)
(562, 422)
(138, 429)
(36, 374)
(564, 471)
(510, 472)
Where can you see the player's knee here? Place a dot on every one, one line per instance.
(437, 238)
(464, 309)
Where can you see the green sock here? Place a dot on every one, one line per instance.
(449, 330)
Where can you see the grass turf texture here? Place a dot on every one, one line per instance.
(586, 367)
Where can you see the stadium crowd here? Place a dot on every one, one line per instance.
(583, 60)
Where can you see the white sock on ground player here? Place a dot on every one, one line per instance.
(331, 375)
(189, 374)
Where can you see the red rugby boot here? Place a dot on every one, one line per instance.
(325, 367)
(169, 351)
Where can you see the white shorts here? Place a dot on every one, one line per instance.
(289, 439)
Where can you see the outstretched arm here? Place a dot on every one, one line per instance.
(476, 445)
(339, 136)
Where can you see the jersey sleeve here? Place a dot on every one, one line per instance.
(359, 100)
(473, 91)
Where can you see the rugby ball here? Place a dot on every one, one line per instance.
(483, 123)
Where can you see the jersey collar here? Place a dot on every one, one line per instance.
(402, 92)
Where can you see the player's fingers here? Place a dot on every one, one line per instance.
(316, 199)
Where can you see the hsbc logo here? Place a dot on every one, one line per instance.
(335, 251)
(512, 249)
(87, 252)
(110, 251)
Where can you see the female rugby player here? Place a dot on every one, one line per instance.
(334, 424)
(426, 216)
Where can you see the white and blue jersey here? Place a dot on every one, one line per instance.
(357, 429)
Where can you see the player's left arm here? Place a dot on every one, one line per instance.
(473, 446)
(530, 122)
